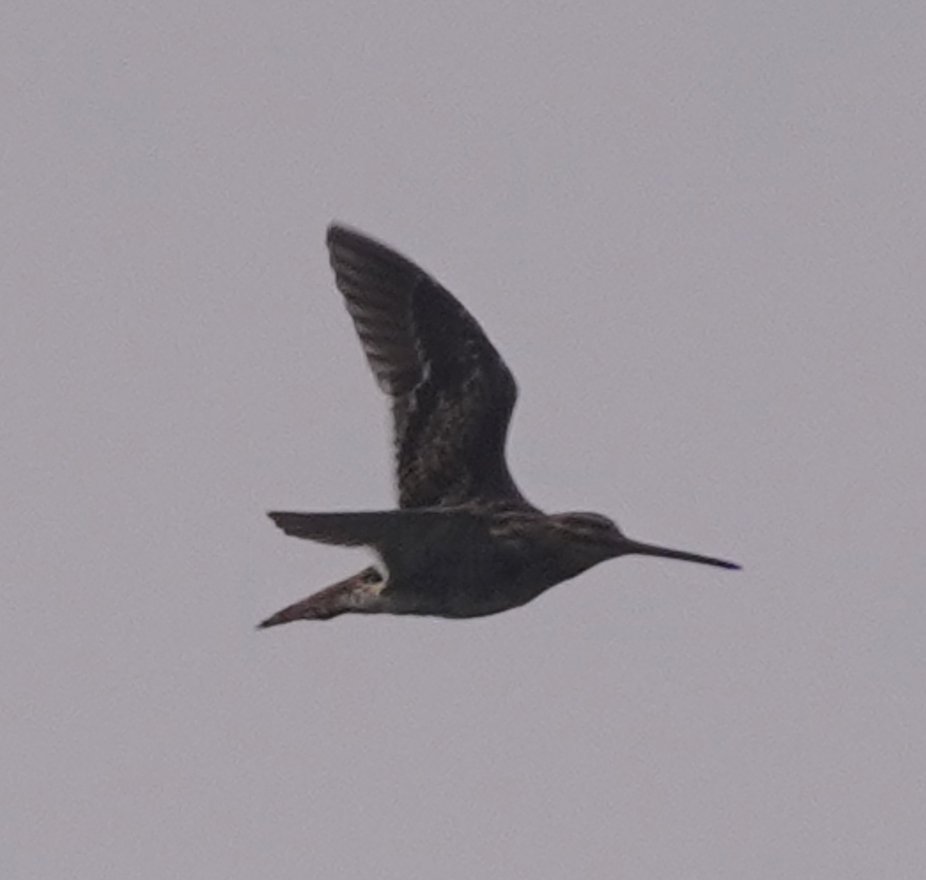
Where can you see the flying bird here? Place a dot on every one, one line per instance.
(464, 541)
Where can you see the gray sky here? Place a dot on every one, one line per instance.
(696, 231)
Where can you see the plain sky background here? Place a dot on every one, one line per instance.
(697, 232)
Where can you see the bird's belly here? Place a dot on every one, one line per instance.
(467, 584)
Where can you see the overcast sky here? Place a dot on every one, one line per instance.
(697, 232)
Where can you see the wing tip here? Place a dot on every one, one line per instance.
(342, 234)
(283, 519)
(337, 230)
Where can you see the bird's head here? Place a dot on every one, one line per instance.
(594, 538)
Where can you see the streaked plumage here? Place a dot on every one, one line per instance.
(464, 541)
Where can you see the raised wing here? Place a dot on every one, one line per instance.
(452, 394)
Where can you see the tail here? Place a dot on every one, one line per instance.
(359, 593)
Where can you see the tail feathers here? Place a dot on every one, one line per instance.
(314, 607)
(358, 593)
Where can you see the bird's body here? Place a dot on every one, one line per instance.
(464, 541)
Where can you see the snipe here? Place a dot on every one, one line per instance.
(464, 541)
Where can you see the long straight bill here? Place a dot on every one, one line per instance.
(666, 553)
